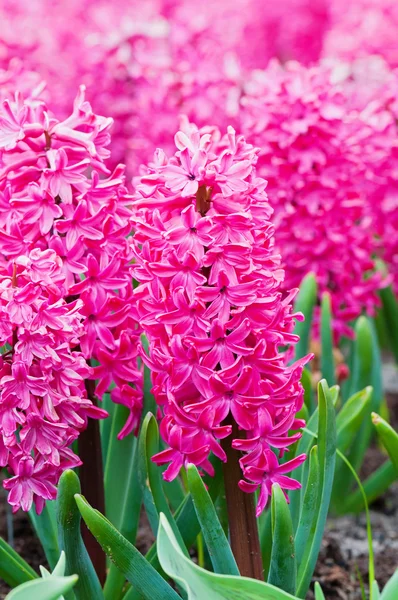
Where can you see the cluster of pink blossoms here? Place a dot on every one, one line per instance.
(313, 154)
(144, 63)
(211, 304)
(371, 87)
(361, 28)
(43, 402)
(57, 193)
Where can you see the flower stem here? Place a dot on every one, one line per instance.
(243, 530)
(92, 482)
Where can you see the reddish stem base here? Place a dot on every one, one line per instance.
(243, 530)
(92, 483)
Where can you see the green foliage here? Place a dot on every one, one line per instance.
(51, 586)
(201, 584)
(305, 303)
(70, 539)
(126, 557)
(390, 315)
(327, 457)
(13, 569)
(45, 526)
(150, 477)
(221, 556)
(283, 564)
(388, 437)
(327, 358)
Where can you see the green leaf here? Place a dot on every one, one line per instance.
(327, 358)
(137, 570)
(118, 464)
(309, 505)
(319, 595)
(151, 477)
(51, 588)
(390, 591)
(362, 356)
(366, 371)
(306, 382)
(174, 492)
(149, 400)
(186, 519)
(348, 421)
(305, 303)
(106, 424)
(304, 446)
(265, 532)
(60, 567)
(283, 565)
(388, 437)
(327, 457)
(45, 526)
(133, 497)
(334, 392)
(13, 569)
(375, 591)
(390, 312)
(78, 561)
(201, 584)
(220, 552)
(129, 521)
(375, 485)
(350, 417)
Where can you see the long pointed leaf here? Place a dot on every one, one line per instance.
(127, 558)
(106, 425)
(305, 303)
(327, 358)
(375, 485)
(119, 458)
(151, 476)
(388, 437)
(78, 561)
(303, 447)
(309, 506)
(129, 521)
(390, 590)
(327, 458)
(45, 526)
(187, 521)
(13, 569)
(266, 541)
(390, 312)
(46, 589)
(319, 595)
(221, 556)
(201, 584)
(375, 592)
(351, 416)
(366, 371)
(283, 564)
(362, 355)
